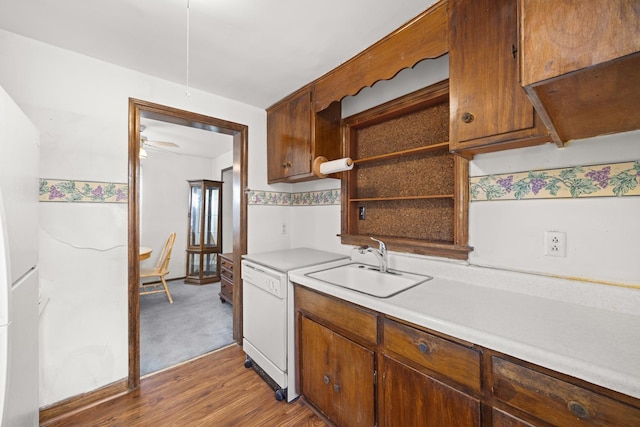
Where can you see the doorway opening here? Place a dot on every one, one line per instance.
(142, 109)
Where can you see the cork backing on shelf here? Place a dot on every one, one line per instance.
(416, 175)
(417, 129)
(426, 219)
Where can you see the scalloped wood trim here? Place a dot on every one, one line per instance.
(424, 37)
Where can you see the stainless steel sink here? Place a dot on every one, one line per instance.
(368, 279)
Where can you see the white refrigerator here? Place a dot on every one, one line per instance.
(19, 187)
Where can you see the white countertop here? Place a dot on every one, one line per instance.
(289, 259)
(598, 345)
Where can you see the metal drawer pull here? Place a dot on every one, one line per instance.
(326, 379)
(578, 410)
(423, 348)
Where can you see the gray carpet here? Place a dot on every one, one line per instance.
(196, 323)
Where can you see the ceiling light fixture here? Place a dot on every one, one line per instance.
(187, 93)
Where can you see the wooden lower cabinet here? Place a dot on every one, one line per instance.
(338, 375)
(502, 419)
(362, 368)
(556, 401)
(409, 397)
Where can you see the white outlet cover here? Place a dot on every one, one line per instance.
(555, 243)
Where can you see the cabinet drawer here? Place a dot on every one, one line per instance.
(225, 263)
(455, 361)
(556, 401)
(226, 287)
(226, 274)
(343, 316)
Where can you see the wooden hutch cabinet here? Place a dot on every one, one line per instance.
(204, 235)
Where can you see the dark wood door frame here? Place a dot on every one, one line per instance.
(138, 109)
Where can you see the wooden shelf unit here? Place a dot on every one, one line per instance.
(412, 189)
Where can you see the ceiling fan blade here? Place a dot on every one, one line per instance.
(159, 148)
(163, 144)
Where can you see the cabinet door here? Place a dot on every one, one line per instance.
(278, 140)
(566, 36)
(289, 137)
(503, 419)
(299, 154)
(411, 398)
(337, 375)
(488, 105)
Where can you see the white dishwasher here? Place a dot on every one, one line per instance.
(268, 328)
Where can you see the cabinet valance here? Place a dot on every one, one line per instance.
(423, 37)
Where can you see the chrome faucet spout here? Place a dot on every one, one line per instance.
(380, 253)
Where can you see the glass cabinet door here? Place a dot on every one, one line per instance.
(204, 240)
(211, 216)
(195, 214)
(202, 266)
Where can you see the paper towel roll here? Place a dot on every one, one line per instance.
(340, 165)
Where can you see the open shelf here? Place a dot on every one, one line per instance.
(377, 199)
(396, 154)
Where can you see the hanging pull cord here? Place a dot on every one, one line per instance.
(187, 93)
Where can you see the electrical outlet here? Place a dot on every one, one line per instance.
(362, 212)
(555, 243)
(284, 228)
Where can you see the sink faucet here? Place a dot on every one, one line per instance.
(380, 253)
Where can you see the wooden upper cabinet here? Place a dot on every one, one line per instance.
(289, 137)
(296, 136)
(489, 109)
(581, 65)
(562, 37)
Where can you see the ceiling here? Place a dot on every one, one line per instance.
(252, 51)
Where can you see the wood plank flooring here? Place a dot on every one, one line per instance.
(213, 390)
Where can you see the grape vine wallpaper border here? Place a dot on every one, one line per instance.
(604, 180)
(308, 198)
(58, 190)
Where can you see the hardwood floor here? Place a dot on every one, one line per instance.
(214, 390)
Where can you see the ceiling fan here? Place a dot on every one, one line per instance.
(159, 145)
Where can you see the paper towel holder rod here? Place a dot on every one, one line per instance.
(347, 164)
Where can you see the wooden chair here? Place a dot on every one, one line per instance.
(160, 270)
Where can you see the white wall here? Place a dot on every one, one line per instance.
(80, 106)
(164, 204)
(600, 231)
